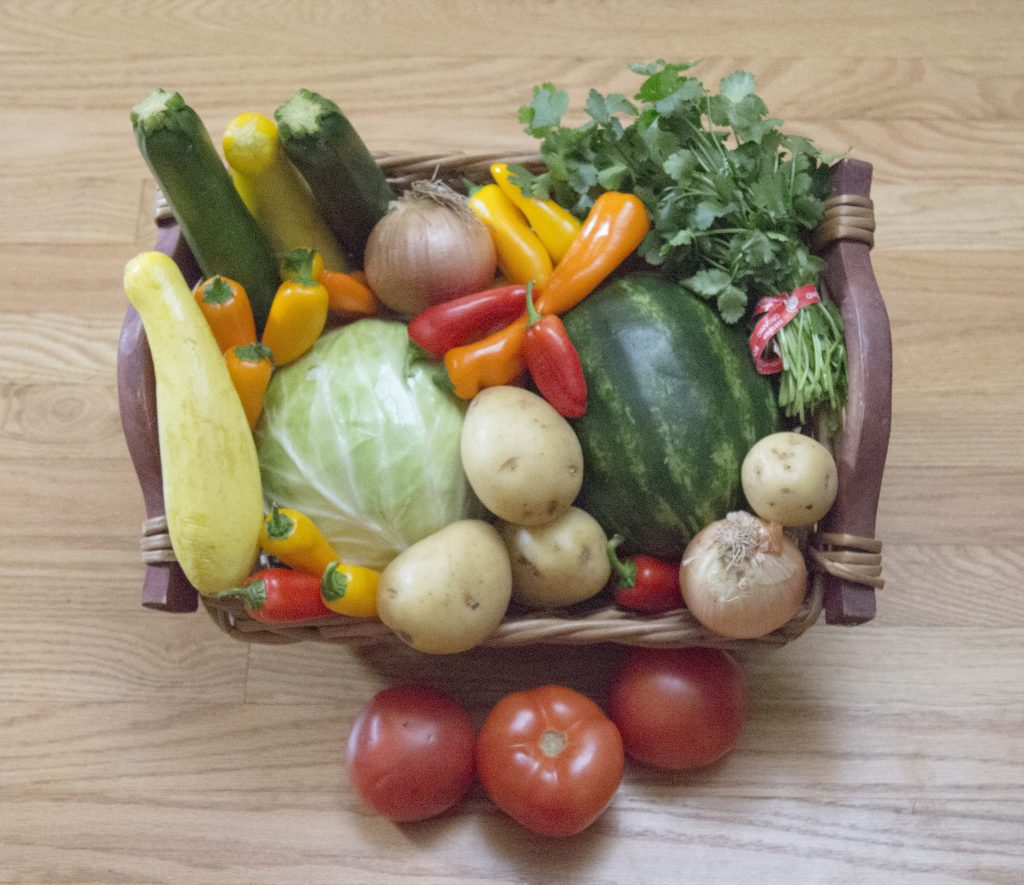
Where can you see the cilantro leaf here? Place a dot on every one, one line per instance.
(680, 165)
(732, 304)
(709, 282)
(545, 110)
(612, 177)
(603, 108)
(737, 86)
(707, 212)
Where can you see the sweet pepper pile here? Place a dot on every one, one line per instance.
(528, 337)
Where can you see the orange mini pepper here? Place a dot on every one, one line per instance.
(490, 362)
(616, 224)
(347, 295)
(250, 367)
(298, 312)
(226, 306)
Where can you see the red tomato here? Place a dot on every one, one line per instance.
(410, 753)
(550, 759)
(679, 708)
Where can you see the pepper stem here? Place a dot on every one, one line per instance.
(532, 314)
(334, 583)
(217, 291)
(254, 594)
(280, 526)
(297, 265)
(254, 353)
(624, 571)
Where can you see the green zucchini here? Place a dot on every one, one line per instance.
(346, 181)
(221, 232)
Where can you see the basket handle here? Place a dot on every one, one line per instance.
(164, 586)
(845, 238)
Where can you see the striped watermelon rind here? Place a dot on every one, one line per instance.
(674, 403)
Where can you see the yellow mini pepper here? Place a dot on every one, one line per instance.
(555, 226)
(295, 539)
(350, 590)
(521, 255)
(298, 312)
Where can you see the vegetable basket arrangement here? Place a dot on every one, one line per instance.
(633, 387)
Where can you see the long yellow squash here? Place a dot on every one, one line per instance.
(274, 192)
(211, 476)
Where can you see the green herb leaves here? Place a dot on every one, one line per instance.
(545, 111)
(730, 195)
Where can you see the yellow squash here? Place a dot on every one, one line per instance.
(211, 476)
(274, 192)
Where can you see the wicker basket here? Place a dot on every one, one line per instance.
(844, 558)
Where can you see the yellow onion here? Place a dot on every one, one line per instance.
(742, 577)
(429, 247)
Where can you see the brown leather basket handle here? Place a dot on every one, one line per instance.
(164, 586)
(844, 239)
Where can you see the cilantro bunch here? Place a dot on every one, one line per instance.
(731, 196)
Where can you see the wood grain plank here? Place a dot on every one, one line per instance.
(820, 87)
(403, 27)
(85, 209)
(88, 275)
(951, 506)
(42, 420)
(80, 353)
(82, 636)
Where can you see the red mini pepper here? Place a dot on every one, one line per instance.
(440, 328)
(553, 362)
(280, 596)
(645, 583)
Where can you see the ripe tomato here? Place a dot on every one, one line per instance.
(410, 753)
(550, 759)
(678, 708)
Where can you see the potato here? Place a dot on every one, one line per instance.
(520, 456)
(559, 562)
(448, 592)
(790, 478)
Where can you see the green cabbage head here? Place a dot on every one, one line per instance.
(365, 442)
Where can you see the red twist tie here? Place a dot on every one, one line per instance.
(778, 310)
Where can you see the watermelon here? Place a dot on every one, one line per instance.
(674, 404)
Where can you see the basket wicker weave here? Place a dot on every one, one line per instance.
(844, 558)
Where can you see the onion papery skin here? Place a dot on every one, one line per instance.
(426, 251)
(742, 591)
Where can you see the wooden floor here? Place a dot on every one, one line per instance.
(140, 747)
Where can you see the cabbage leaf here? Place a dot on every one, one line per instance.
(365, 442)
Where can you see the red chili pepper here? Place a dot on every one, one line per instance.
(280, 596)
(645, 583)
(553, 362)
(440, 328)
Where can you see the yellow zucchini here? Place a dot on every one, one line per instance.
(211, 477)
(274, 192)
